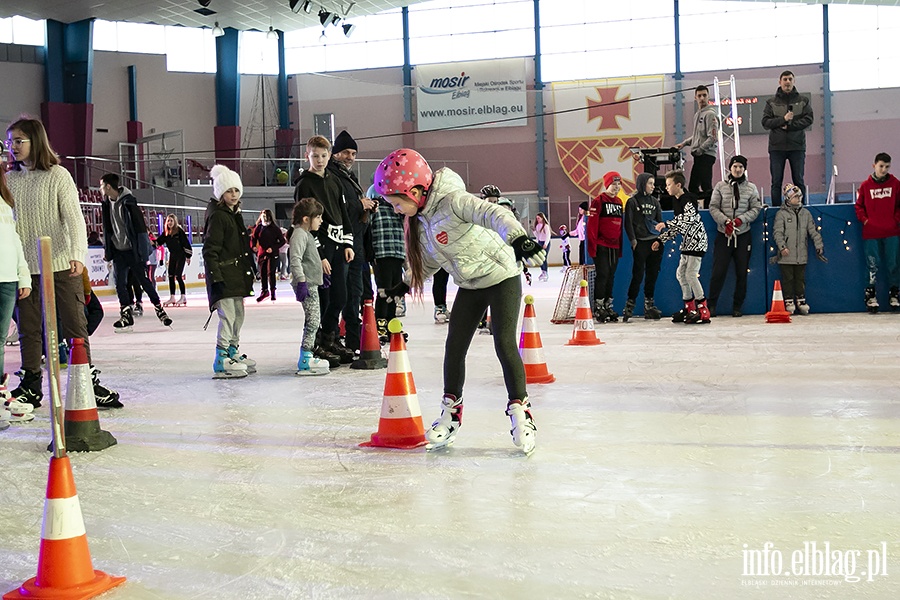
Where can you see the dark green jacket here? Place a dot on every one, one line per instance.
(226, 255)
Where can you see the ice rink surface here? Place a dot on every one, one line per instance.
(667, 459)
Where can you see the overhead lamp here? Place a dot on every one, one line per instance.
(324, 17)
(348, 29)
(217, 31)
(323, 38)
(298, 5)
(204, 3)
(307, 6)
(271, 34)
(335, 19)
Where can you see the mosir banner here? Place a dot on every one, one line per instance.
(471, 94)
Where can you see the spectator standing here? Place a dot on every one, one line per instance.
(786, 116)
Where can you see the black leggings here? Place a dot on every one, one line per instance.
(176, 271)
(504, 299)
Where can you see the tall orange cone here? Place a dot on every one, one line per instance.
(83, 433)
(779, 313)
(583, 334)
(64, 568)
(369, 348)
(401, 418)
(531, 349)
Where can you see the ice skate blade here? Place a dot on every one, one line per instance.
(308, 372)
(229, 374)
(20, 418)
(431, 446)
(128, 329)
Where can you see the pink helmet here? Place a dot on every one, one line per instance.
(402, 170)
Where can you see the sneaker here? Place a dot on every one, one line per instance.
(310, 365)
(162, 316)
(263, 295)
(105, 397)
(225, 367)
(234, 354)
(523, 428)
(443, 431)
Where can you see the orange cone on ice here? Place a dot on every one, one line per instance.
(369, 347)
(779, 313)
(82, 423)
(400, 425)
(531, 349)
(64, 568)
(584, 333)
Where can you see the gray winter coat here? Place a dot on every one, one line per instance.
(466, 236)
(722, 206)
(793, 228)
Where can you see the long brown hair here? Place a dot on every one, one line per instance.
(42, 156)
(166, 226)
(4, 190)
(414, 260)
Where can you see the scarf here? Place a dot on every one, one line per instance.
(735, 186)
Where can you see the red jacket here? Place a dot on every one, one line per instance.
(604, 227)
(878, 208)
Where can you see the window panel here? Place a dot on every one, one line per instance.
(257, 54)
(6, 32)
(190, 49)
(28, 32)
(376, 42)
(863, 45)
(140, 37)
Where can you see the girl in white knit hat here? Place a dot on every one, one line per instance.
(229, 271)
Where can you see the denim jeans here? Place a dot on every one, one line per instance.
(9, 290)
(797, 159)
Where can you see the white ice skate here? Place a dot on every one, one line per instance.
(226, 368)
(310, 365)
(441, 314)
(235, 355)
(443, 431)
(169, 302)
(523, 429)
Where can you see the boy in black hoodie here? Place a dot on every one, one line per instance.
(642, 213)
(335, 239)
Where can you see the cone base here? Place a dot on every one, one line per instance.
(101, 583)
(594, 342)
(548, 378)
(778, 317)
(377, 361)
(93, 442)
(404, 442)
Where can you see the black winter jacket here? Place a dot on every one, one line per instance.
(135, 227)
(794, 137)
(177, 243)
(226, 254)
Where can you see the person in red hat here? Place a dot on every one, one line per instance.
(604, 236)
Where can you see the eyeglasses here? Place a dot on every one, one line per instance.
(17, 141)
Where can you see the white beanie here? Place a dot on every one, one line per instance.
(223, 180)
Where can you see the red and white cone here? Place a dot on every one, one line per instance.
(82, 422)
(584, 333)
(531, 349)
(779, 313)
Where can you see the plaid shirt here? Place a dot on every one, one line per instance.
(387, 232)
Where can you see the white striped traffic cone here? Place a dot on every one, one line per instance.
(531, 349)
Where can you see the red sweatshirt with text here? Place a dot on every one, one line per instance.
(604, 227)
(878, 208)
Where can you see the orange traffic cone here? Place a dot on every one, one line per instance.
(779, 313)
(369, 348)
(531, 349)
(64, 565)
(583, 334)
(83, 433)
(401, 418)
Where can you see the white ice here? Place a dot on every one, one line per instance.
(664, 456)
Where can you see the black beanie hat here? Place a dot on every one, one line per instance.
(343, 141)
(737, 158)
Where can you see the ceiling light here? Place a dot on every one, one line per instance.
(335, 19)
(271, 34)
(324, 17)
(323, 38)
(348, 29)
(204, 3)
(307, 6)
(218, 31)
(294, 6)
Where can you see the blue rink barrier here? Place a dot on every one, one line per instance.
(832, 287)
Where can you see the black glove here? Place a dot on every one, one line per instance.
(528, 251)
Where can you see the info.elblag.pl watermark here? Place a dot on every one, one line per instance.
(815, 563)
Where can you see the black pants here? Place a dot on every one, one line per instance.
(333, 298)
(439, 287)
(125, 262)
(388, 275)
(503, 299)
(723, 254)
(646, 267)
(605, 263)
(793, 281)
(268, 267)
(701, 177)
(176, 271)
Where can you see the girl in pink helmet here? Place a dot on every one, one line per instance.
(480, 244)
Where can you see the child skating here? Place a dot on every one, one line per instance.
(306, 277)
(480, 245)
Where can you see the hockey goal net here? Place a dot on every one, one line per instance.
(567, 301)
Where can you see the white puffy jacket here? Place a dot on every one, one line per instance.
(466, 236)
